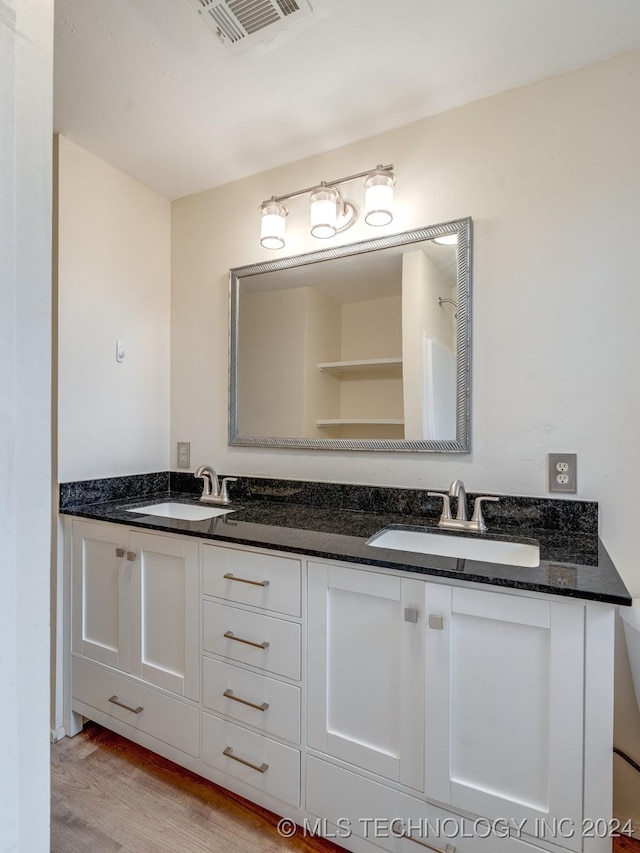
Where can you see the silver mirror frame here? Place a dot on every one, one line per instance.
(463, 229)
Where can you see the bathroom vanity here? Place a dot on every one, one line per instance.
(384, 699)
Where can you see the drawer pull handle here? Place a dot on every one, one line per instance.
(231, 577)
(448, 849)
(262, 768)
(229, 695)
(120, 552)
(231, 636)
(116, 701)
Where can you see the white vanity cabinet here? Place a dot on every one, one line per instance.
(366, 670)
(446, 711)
(505, 706)
(101, 593)
(252, 669)
(457, 709)
(135, 598)
(135, 612)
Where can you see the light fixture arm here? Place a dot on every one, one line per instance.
(347, 212)
(336, 183)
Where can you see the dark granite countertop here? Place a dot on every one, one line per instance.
(573, 560)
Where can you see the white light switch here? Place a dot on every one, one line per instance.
(120, 353)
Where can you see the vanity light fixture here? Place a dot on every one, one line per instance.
(329, 213)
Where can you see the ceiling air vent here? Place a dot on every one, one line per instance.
(236, 22)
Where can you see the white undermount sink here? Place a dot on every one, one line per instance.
(461, 547)
(183, 512)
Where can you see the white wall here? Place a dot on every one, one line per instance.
(26, 56)
(113, 282)
(549, 175)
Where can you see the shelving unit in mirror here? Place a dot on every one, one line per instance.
(365, 366)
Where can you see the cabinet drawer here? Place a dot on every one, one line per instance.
(268, 581)
(281, 717)
(252, 758)
(162, 717)
(350, 801)
(262, 641)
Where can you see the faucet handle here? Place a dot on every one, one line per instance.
(477, 511)
(224, 490)
(446, 504)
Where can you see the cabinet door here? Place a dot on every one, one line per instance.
(504, 706)
(366, 670)
(164, 612)
(100, 584)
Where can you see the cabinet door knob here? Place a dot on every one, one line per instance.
(410, 614)
(131, 555)
(261, 768)
(120, 552)
(436, 623)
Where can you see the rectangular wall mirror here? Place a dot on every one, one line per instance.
(359, 347)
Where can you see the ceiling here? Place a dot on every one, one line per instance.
(357, 278)
(146, 86)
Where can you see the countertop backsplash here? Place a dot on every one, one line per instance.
(511, 511)
(334, 520)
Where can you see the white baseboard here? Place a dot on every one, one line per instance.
(57, 734)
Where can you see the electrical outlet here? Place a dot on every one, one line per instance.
(184, 454)
(563, 474)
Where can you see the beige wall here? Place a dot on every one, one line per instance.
(273, 346)
(372, 329)
(113, 282)
(323, 327)
(549, 175)
(545, 173)
(286, 334)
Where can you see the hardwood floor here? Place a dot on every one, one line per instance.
(112, 796)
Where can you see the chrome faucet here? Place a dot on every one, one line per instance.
(460, 522)
(213, 491)
(457, 490)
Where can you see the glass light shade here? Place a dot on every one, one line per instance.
(272, 225)
(378, 198)
(324, 212)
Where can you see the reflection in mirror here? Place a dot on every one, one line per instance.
(362, 347)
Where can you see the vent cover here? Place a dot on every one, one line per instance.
(237, 22)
